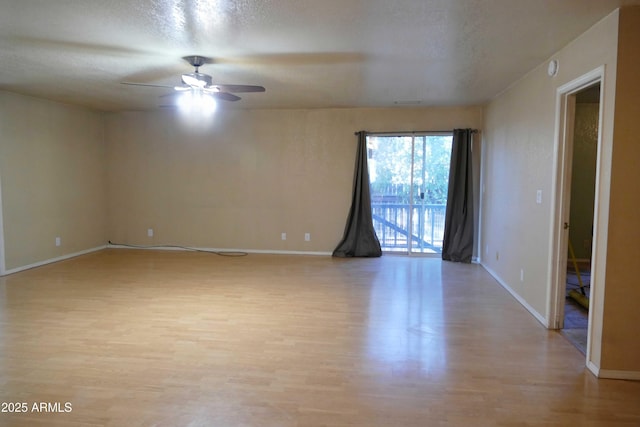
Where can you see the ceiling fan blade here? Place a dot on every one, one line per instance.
(145, 84)
(225, 96)
(239, 88)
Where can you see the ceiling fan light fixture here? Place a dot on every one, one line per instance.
(197, 102)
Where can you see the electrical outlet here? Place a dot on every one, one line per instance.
(283, 236)
(58, 241)
(150, 232)
(307, 237)
(539, 196)
(522, 275)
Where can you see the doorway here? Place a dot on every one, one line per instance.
(409, 178)
(579, 112)
(582, 200)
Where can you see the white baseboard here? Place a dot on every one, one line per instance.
(518, 298)
(222, 250)
(258, 251)
(52, 260)
(618, 375)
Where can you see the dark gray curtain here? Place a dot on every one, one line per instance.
(359, 238)
(458, 224)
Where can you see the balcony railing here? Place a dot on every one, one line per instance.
(392, 225)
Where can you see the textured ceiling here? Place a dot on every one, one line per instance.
(307, 53)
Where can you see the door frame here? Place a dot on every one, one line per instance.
(2, 260)
(563, 157)
(411, 196)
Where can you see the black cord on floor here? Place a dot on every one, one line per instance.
(187, 248)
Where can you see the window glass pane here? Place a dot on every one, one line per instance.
(409, 180)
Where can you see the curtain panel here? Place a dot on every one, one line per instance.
(360, 238)
(457, 243)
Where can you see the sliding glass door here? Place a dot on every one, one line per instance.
(409, 176)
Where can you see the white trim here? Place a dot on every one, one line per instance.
(518, 298)
(222, 250)
(619, 375)
(595, 370)
(561, 180)
(411, 200)
(2, 252)
(558, 236)
(611, 374)
(272, 252)
(52, 260)
(481, 192)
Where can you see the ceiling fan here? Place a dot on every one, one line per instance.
(201, 83)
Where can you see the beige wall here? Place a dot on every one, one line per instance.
(519, 137)
(519, 149)
(53, 175)
(620, 344)
(248, 177)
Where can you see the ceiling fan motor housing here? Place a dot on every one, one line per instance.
(196, 60)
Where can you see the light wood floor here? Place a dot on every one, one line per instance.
(140, 338)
